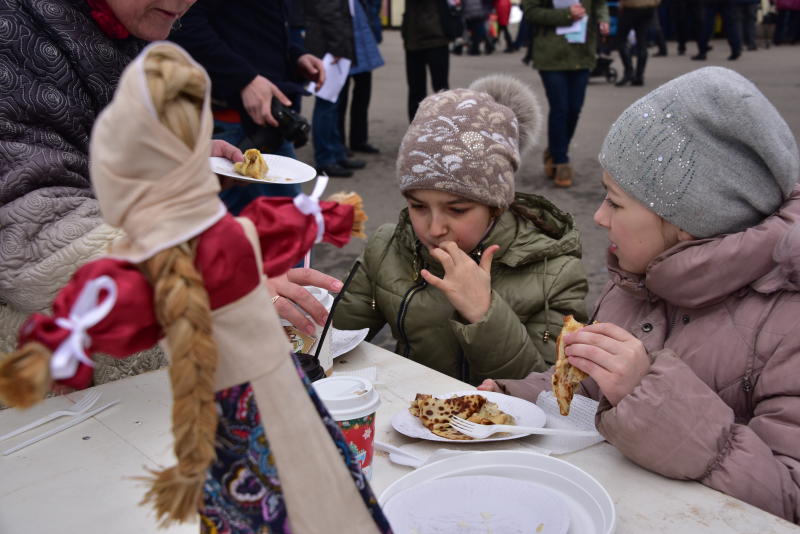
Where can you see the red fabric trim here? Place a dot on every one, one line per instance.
(227, 262)
(107, 20)
(224, 257)
(227, 115)
(286, 235)
(130, 327)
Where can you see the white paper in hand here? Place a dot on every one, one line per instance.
(335, 76)
(581, 417)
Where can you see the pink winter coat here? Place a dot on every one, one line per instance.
(720, 319)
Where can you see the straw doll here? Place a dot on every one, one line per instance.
(190, 273)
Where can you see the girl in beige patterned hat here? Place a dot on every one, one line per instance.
(474, 280)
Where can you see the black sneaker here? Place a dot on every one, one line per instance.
(336, 170)
(352, 163)
(366, 148)
(699, 57)
(734, 56)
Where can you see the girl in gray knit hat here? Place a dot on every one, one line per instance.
(696, 354)
(474, 280)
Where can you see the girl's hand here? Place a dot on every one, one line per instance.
(577, 11)
(611, 355)
(489, 385)
(604, 28)
(467, 285)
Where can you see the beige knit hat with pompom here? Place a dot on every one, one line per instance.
(468, 141)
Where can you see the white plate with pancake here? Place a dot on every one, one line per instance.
(524, 413)
(524, 475)
(282, 170)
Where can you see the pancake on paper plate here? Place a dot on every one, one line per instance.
(435, 414)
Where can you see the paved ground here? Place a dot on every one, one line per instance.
(776, 71)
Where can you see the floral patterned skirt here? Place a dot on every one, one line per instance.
(242, 493)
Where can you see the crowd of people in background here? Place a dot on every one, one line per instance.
(491, 268)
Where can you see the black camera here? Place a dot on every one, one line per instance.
(291, 125)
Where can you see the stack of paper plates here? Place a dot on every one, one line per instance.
(502, 492)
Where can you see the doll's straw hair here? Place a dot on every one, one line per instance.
(25, 375)
(183, 311)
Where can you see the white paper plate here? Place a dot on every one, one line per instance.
(477, 504)
(282, 170)
(525, 413)
(343, 341)
(590, 508)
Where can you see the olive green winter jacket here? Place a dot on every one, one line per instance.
(537, 278)
(552, 51)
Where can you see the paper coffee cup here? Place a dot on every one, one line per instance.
(352, 402)
(303, 343)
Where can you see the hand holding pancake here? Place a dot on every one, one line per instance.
(466, 284)
(611, 355)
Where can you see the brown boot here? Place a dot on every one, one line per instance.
(549, 168)
(563, 175)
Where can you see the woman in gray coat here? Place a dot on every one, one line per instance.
(696, 353)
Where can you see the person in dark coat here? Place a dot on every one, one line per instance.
(425, 44)
(246, 50)
(329, 30)
(60, 63)
(368, 58)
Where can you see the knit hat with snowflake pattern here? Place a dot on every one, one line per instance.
(468, 141)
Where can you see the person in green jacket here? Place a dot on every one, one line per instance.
(564, 67)
(474, 280)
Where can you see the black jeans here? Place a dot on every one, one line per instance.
(566, 90)
(725, 10)
(359, 108)
(679, 13)
(437, 61)
(638, 20)
(745, 17)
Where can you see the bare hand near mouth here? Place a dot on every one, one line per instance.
(466, 284)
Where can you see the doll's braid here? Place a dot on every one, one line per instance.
(183, 311)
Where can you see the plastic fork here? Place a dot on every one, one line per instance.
(477, 431)
(86, 402)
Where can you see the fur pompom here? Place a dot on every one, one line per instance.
(520, 98)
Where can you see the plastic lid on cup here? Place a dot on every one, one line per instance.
(347, 397)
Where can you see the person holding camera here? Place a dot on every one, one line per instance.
(256, 73)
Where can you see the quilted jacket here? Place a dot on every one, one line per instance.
(537, 278)
(720, 319)
(57, 72)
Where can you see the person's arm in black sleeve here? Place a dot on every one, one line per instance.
(230, 71)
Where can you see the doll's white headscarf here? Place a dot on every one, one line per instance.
(148, 182)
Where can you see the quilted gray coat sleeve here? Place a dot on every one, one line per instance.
(56, 74)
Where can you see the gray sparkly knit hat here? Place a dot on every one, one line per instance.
(468, 141)
(706, 151)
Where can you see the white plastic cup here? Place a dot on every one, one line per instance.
(352, 402)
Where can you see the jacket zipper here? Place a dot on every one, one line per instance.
(401, 314)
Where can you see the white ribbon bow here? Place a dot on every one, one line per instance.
(85, 313)
(309, 205)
